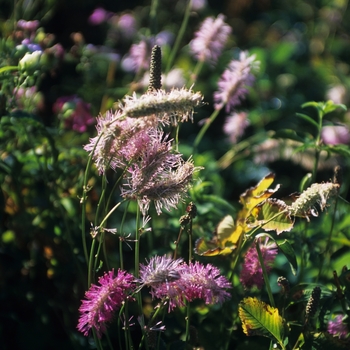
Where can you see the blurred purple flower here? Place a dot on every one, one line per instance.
(99, 15)
(210, 39)
(198, 5)
(234, 82)
(127, 25)
(178, 282)
(101, 301)
(338, 94)
(338, 328)
(235, 125)
(139, 55)
(30, 45)
(31, 26)
(335, 134)
(74, 112)
(252, 273)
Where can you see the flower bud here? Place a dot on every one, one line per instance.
(30, 62)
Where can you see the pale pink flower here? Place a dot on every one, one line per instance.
(335, 134)
(234, 82)
(210, 39)
(235, 125)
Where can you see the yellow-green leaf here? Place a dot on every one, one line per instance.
(259, 318)
(271, 215)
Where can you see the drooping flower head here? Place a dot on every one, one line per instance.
(210, 39)
(232, 86)
(317, 193)
(159, 175)
(235, 125)
(338, 328)
(101, 301)
(252, 273)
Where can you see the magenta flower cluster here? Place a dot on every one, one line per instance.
(176, 282)
(101, 301)
(173, 281)
(338, 328)
(252, 273)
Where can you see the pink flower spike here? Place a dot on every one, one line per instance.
(101, 301)
(235, 125)
(234, 82)
(210, 39)
(252, 273)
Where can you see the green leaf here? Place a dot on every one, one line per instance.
(259, 318)
(307, 118)
(271, 215)
(288, 251)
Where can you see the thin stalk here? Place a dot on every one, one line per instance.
(195, 73)
(179, 37)
(266, 277)
(205, 128)
(188, 314)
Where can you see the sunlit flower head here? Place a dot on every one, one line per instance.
(317, 193)
(210, 39)
(119, 140)
(101, 301)
(234, 82)
(174, 106)
(160, 269)
(235, 125)
(252, 274)
(338, 328)
(158, 175)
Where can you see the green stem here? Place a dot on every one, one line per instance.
(266, 277)
(153, 17)
(205, 128)
(195, 73)
(179, 37)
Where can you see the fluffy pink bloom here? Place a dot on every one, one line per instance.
(177, 282)
(235, 125)
(101, 301)
(205, 282)
(74, 112)
(233, 84)
(338, 328)
(252, 273)
(210, 39)
(335, 134)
